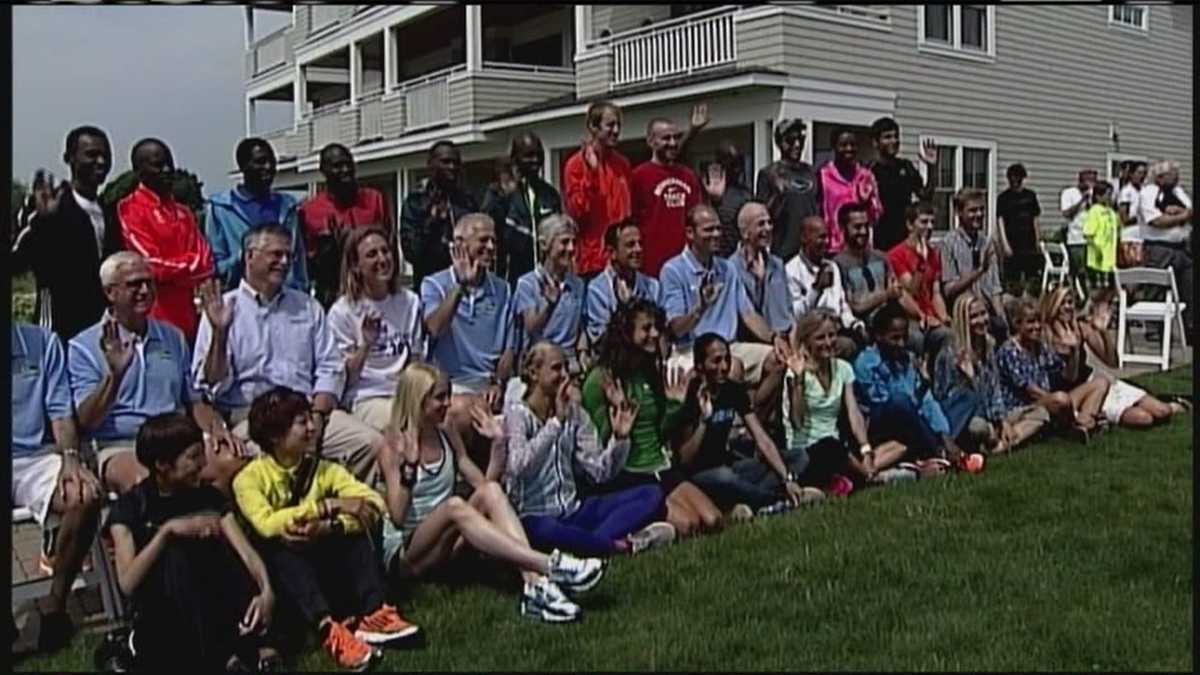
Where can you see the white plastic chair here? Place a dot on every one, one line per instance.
(1060, 268)
(1168, 311)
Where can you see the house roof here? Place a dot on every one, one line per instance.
(571, 99)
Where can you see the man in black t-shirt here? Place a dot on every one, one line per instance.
(1018, 210)
(789, 188)
(183, 558)
(899, 181)
(701, 437)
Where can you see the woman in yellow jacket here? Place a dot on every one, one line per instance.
(309, 515)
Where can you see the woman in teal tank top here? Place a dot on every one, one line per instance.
(630, 354)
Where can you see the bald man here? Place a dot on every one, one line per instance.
(815, 281)
(762, 273)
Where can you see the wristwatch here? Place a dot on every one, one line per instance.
(408, 474)
(789, 478)
(865, 450)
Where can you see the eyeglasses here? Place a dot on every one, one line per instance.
(135, 284)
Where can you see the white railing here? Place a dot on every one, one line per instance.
(324, 15)
(326, 124)
(278, 140)
(529, 68)
(270, 51)
(370, 118)
(427, 99)
(679, 47)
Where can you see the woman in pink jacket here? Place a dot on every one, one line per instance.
(845, 180)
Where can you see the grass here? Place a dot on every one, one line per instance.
(1060, 557)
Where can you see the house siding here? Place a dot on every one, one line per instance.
(393, 116)
(498, 93)
(461, 101)
(593, 75)
(1034, 101)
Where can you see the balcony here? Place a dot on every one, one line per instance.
(271, 52)
(681, 47)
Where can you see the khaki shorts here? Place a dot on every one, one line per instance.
(375, 412)
(34, 480)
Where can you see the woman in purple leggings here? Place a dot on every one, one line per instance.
(549, 435)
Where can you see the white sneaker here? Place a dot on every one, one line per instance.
(575, 575)
(545, 601)
(651, 536)
(741, 513)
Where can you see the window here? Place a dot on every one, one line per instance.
(962, 163)
(957, 30)
(1130, 16)
(1114, 163)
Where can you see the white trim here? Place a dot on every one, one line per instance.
(972, 144)
(831, 14)
(591, 54)
(420, 142)
(1142, 29)
(358, 27)
(492, 73)
(954, 48)
(281, 80)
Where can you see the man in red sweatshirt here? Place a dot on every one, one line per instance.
(596, 185)
(663, 191)
(165, 233)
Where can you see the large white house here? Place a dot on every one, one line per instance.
(1057, 88)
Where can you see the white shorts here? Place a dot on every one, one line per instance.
(34, 480)
(1121, 396)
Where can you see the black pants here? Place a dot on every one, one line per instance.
(337, 576)
(827, 458)
(188, 607)
(900, 420)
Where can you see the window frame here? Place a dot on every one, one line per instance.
(1114, 22)
(962, 144)
(1118, 157)
(955, 47)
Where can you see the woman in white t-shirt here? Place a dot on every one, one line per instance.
(375, 323)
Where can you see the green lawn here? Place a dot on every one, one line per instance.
(1061, 557)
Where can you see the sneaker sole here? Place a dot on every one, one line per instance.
(587, 584)
(654, 541)
(384, 638)
(532, 612)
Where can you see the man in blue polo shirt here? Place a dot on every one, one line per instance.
(703, 293)
(128, 368)
(621, 280)
(232, 213)
(762, 274)
(470, 321)
(549, 298)
(48, 479)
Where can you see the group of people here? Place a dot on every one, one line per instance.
(644, 357)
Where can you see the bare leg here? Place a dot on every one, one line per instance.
(490, 500)
(1159, 410)
(681, 516)
(1136, 418)
(478, 531)
(75, 533)
(707, 514)
(1088, 397)
(122, 471)
(888, 454)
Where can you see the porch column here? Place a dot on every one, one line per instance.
(763, 147)
(250, 111)
(401, 193)
(301, 95)
(249, 23)
(355, 71)
(474, 38)
(583, 27)
(389, 60)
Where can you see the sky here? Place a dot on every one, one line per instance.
(170, 72)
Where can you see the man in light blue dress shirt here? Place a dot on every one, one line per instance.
(621, 281)
(261, 335)
(703, 293)
(127, 368)
(762, 273)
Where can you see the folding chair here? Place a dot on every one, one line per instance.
(1061, 268)
(101, 575)
(1167, 311)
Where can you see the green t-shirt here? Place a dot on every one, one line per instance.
(1102, 230)
(823, 405)
(648, 451)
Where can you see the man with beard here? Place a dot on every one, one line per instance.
(663, 192)
(128, 368)
(789, 188)
(430, 211)
(165, 233)
(342, 205)
(68, 234)
(233, 212)
(620, 282)
(866, 274)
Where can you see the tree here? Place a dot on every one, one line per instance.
(187, 188)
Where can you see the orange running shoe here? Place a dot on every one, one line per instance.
(347, 651)
(384, 625)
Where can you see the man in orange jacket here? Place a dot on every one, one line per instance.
(597, 181)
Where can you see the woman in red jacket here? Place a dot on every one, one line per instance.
(596, 181)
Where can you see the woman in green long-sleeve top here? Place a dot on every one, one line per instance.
(630, 366)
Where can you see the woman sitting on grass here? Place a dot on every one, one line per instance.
(549, 437)
(428, 524)
(175, 541)
(1124, 404)
(1060, 330)
(311, 518)
(1025, 364)
(820, 391)
(965, 382)
(630, 368)
(700, 436)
